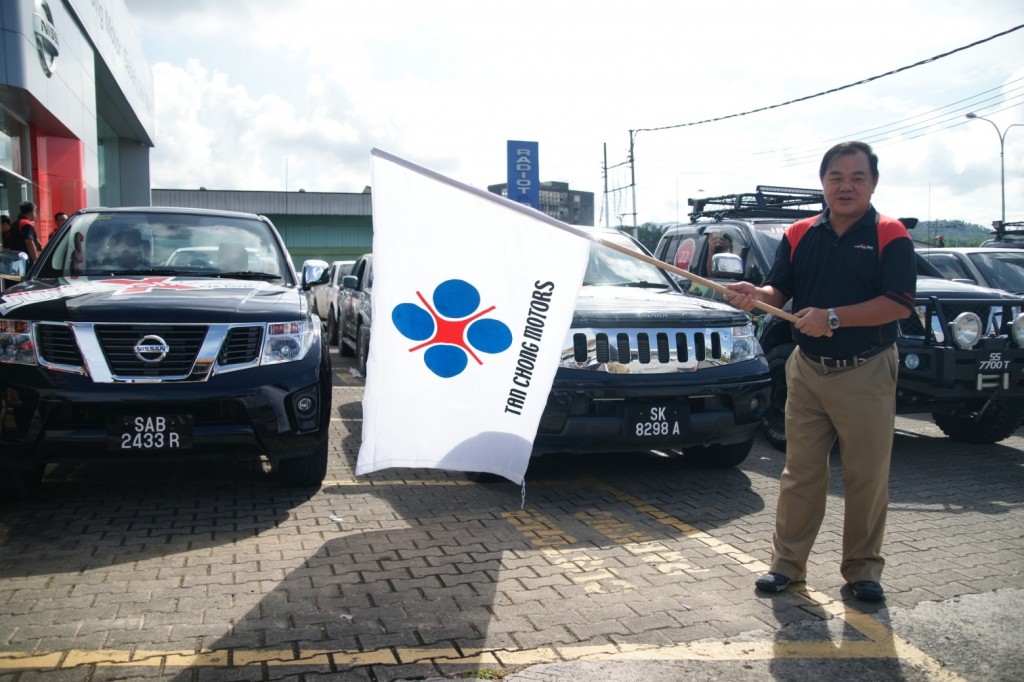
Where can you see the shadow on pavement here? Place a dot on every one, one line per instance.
(102, 515)
(426, 561)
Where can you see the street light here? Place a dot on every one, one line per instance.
(1002, 160)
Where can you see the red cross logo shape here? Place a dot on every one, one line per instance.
(147, 284)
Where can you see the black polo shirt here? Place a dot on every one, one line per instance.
(818, 269)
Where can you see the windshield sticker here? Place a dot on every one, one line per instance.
(120, 287)
(684, 254)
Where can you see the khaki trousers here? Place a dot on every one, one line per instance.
(857, 406)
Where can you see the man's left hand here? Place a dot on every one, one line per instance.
(813, 322)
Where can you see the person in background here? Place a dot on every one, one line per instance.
(59, 218)
(22, 236)
(719, 242)
(851, 274)
(5, 223)
(127, 249)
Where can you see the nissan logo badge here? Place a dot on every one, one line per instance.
(151, 349)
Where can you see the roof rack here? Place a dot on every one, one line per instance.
(767, 201)
(1002, 230)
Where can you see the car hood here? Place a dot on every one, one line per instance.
(936, 286)
(600, 305)
(153, 299)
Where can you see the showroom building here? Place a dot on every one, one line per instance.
(76, 108)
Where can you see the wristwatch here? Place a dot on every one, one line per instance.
(833, 319)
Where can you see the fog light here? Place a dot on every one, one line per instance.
(912, 361)
(305, 405)
(966, 330)
(1018, 330)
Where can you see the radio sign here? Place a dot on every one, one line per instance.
(523, 173)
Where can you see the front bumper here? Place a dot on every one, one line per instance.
(597, 412)
(933, 378)
(48, 416)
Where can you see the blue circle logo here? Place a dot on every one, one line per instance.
(451, 328)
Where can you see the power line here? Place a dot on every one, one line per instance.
(802, 156)
(837, 89)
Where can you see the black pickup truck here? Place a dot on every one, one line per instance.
(179, 334)
(647, 366)
(961, 353)
(355, 314)
(644, 365)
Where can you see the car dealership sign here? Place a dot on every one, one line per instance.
(523, 173)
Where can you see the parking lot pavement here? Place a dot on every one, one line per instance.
(629, 565)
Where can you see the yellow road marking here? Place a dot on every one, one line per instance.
(689, 651)
(541, 531)
(883, 642)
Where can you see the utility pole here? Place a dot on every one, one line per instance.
(1002, 161)
(632, 180)
(604, 172)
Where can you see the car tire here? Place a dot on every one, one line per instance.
(362, 349)
(344, 349)
(719, 456)
(307, 471)
(332, 329)
(1001, 420)
(774, 422)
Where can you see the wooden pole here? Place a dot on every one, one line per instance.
(693, 278)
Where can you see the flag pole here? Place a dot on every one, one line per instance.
(692, 277)
(578, 231)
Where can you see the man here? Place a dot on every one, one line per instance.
(851, 274)
(127, 249)
(59, 218)
(718, 242)
(22, 236)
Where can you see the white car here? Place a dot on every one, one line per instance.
(212, 258)
(996, 268)
(325, 296)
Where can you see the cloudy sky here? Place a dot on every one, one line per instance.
(271, 95)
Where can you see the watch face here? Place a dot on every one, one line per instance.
(833, 320)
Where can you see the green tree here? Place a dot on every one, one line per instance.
(648, 234)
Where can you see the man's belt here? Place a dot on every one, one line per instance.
(841, 363)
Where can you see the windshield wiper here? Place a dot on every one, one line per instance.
(643, 284)
(245, 274)
(133, 272)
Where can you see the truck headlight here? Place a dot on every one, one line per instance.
(287, 342)
(966, 330)
(744, 344)
(1018, 330)
(16, 342)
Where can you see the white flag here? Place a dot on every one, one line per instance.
(473, 296)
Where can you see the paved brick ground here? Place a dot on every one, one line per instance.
(179, 573)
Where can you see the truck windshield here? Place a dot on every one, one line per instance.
(139, 243)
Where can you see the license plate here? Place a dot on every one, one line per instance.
(149, 432)
(653, 422)
(994, 363)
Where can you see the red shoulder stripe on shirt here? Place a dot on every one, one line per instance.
(796, 232)
(889, 230)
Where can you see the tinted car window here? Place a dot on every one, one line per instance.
(98, 244)
(949, 266)
(1002, 270)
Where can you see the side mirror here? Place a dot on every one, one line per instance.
(727, 266)
(315, 272)
(349, 282)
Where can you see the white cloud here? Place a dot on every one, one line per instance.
(246, 92)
